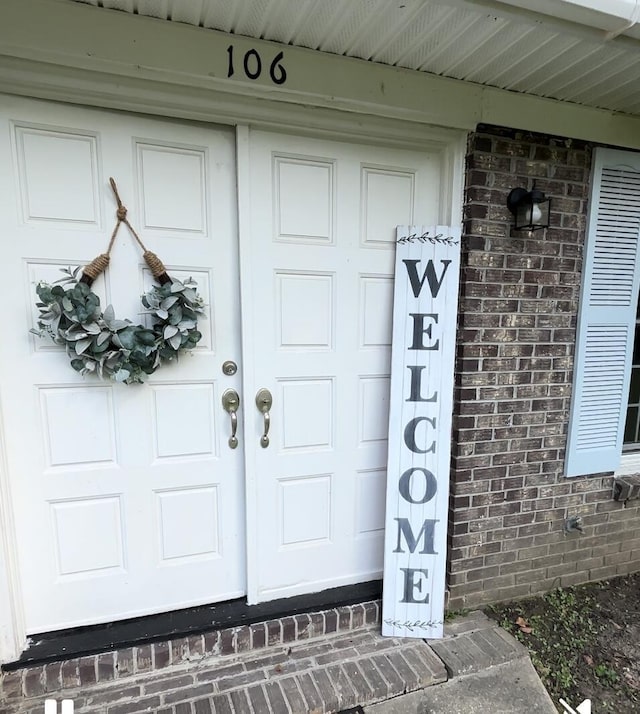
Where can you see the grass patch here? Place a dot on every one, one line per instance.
(450, 615)
(582, 641)
(563, 629)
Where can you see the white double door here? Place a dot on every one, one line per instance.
(127, 499)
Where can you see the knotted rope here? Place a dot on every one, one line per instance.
(100, 263)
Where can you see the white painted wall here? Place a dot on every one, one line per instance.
(142, 64)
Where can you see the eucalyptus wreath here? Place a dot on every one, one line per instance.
(115, 349)
(99, 344)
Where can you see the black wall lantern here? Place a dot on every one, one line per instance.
(531, 209)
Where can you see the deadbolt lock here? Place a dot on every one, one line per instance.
(229, 368)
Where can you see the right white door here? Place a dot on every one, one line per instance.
(317, 307)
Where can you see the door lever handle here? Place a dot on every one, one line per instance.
(264, 400)
(230, 403)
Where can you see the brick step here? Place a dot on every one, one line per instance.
(320, 675)
(209, 672)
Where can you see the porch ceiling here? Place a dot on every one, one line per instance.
(590, 59)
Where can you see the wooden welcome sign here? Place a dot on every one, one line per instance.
(424, 335)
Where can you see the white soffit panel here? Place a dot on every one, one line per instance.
(588, 54)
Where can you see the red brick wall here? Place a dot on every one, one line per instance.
(518, 306)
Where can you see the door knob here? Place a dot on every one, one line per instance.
(230, 403)
(264, 400)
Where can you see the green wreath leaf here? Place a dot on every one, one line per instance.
(98, 343)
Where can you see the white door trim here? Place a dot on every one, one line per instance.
(246, 295)
(12, 624)
(41, 80)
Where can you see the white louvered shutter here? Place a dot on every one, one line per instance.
(607, 315)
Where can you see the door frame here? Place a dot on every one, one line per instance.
(337, 125)
(13, 636)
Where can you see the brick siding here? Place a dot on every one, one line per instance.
(516, 333)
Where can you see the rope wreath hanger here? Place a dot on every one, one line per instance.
(99, 344)
(101, 262)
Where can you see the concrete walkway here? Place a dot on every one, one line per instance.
(477, 668)
(489, 672)
(511, 688)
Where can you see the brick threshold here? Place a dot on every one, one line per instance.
(314, 663)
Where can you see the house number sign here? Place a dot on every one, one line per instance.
(252, 64)
(421, 405)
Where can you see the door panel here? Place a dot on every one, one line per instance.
(127, 499)
(320, 260)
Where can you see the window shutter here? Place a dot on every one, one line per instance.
(607, 315)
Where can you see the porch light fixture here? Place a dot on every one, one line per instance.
(531, 209)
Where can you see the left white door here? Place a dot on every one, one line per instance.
(127, 499)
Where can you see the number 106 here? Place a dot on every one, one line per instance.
(252, 65)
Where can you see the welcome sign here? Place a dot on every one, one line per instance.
(422, 363)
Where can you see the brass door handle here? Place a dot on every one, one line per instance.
(264, 400)
(230, 403)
